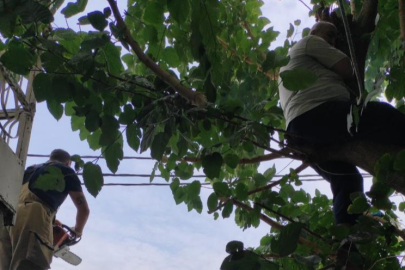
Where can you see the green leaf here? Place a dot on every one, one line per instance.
(184, 170)
(93, 178)
(97, 20)
(7, 24)
(153, 13)
(74, 8)
(113, 154)
(133, 134)
(18, 59)
(94, 140)
(52, 179)
(109, 128)
(107, 12)
(232, 160)
(212, 202)
(179, 10)
(94, 43)
(55, 108)
(159, 145)
(248, 146)
(270, 61)
(171, 57)
(212, 165)
(228, 209)
(92, 122)
(290, 31)
(174, 185)
(62, 89)
(358, 206)
(152, 175)
(305, 32)
(221, 189)
(401, 206)
(269, 173)
(33, 12)
(288, 238)
(241, 191)
(42, 87)
(383, 167)
(399, 163)
(194, 190)
(182, 146)
(298, 79)
(113, 58)
(259, 179)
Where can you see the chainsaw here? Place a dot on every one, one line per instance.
(63, 238)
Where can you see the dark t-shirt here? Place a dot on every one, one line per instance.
(52, 198)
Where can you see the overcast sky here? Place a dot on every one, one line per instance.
(141, 227)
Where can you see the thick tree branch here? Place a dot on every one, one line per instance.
(367, 15)
(401, 13)
(363, 154)
(196, 98)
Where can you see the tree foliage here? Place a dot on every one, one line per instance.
(219, 49)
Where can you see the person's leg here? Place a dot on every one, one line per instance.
(5, 249)
(344, 179)
(322, 126)
(382, 123)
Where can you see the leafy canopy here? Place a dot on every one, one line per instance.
(221, 49)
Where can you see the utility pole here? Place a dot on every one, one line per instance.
(17, 111)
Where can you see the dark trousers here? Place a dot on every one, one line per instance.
(327, 124)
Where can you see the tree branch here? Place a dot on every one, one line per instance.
(401, 13)
(367, 15)
(277, 226)
(196, 98)
(299, 169)
(271, 76)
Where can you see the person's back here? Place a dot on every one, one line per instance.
(52, 198)
(317, 56)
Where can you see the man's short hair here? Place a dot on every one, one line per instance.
(320, 26)
(60, 155)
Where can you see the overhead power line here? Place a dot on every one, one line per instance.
(89, 157)
(196, 176)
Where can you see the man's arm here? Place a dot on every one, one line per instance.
(343, 68)
(330, 57)
(83, 210)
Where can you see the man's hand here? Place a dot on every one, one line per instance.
(78, 234)
(57, 223)
(344, 68)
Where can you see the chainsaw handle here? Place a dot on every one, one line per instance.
(74, 239)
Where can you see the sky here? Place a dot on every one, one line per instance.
(142, 227)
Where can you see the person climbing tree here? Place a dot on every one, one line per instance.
(318, 115)
(29, 243)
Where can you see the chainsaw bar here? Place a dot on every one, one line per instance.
(65, 254)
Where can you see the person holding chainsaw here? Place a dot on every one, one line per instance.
(28, 245)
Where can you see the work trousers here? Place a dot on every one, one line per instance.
(28, 245)
(327, 125)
